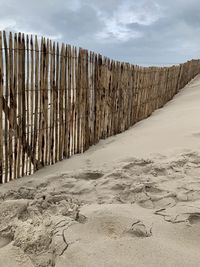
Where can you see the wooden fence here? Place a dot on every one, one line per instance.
(57, 100)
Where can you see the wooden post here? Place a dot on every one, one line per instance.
(6, 129)
(23, 103)
(61, 97)
(36, 132)
(69, 103)
(31, 96)
(1, 112)
(46, 103)
(57, 105)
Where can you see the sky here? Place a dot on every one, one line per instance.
(144, 32)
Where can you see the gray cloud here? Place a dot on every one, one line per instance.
(141, 32)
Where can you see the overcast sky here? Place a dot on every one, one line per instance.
(137, 31)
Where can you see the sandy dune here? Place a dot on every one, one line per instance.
(132, 200)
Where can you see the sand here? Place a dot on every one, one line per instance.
(131, 200)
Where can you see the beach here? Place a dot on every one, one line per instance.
(131, 200)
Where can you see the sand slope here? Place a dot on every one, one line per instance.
(132, 200)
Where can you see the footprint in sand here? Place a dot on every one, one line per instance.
(89, 175)
(194, 218)
(197, 135)
(139, 229)
(181, 213)
(109, 223)
(4, 241)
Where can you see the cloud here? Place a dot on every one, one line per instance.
(128, 12)
(142, 32)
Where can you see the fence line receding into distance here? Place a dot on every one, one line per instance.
(57, 100)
